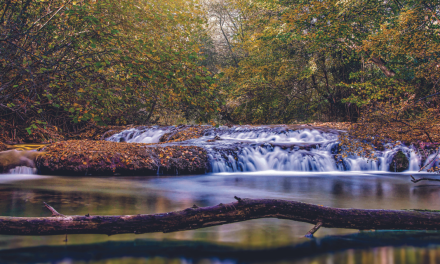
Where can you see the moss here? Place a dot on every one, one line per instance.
(422, 210)
(399, 163)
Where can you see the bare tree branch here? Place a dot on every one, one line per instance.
(414, 180)
(242, 210)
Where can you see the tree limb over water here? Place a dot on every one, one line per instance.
(242, 210)
(414, 180)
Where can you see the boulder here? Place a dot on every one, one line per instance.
(399, 163)
(86, 157)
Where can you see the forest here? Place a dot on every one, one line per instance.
(66, 65)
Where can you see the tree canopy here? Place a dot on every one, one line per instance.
(371, 62)
(65, 64)
(108, 62)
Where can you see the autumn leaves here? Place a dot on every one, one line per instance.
(86, 157)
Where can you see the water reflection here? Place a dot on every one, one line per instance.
(367, 247)
(134, 195)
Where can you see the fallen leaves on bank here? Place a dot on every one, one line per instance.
(86, 157)
(333, 125)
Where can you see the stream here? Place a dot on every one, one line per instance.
(280, 148)
(246, 162)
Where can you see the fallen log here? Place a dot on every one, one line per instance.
(242, 210)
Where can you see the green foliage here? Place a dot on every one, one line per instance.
(334, 59)
(107, 62)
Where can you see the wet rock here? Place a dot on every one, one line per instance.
(183, 133)
(86, 157)
(214, 139)
(399, 163)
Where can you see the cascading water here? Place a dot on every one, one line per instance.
(272, 158)
(246, 149)
(23, 170)
(136, 135)
(263, 149)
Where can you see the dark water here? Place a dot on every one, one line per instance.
(256, 241)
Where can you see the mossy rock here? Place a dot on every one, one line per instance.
(87, 157)
(399, 163)
(183, 133)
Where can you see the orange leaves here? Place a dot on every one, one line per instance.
(79, 157)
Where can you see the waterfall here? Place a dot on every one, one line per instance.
(22, 170)
(139, 135)
(272, 158)
(248, 149)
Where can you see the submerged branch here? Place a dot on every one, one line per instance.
(414, 180)
(242, 210)
(54, 212)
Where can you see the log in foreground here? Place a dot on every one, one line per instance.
(242, 210)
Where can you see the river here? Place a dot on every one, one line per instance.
(248, 162)
(134, 195)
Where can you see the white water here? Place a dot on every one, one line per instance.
(261, 136)
(23, 170)
(134, 135)
(251, 149)
(319, 158)
(262, 159)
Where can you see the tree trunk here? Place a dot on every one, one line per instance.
(242, 210)
(382, 66)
